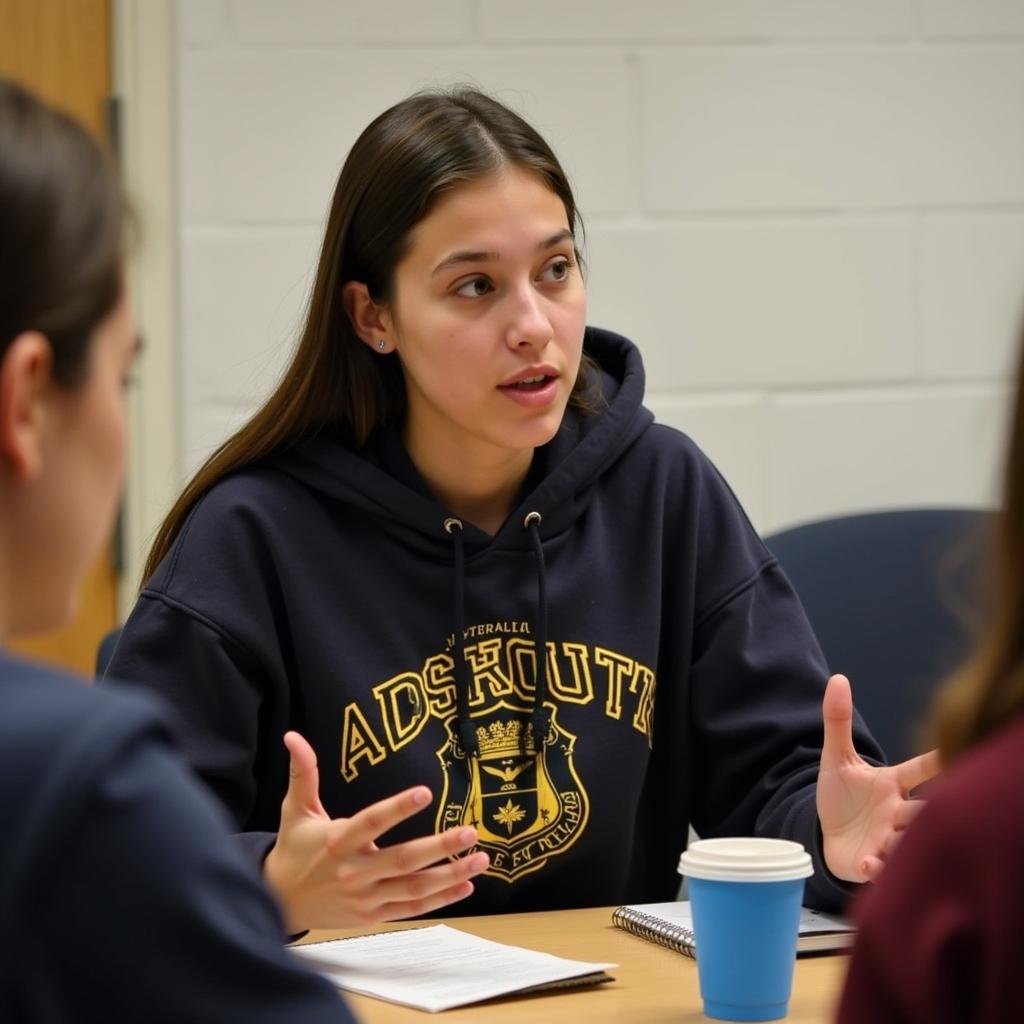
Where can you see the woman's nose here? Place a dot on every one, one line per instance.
(529, 324)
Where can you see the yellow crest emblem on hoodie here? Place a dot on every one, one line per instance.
(522, 796)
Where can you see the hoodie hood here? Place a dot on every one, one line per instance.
(381, 479)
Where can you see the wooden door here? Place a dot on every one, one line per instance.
(61, 50)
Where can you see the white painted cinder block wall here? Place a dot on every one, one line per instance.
(808, 213)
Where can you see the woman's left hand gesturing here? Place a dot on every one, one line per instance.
(863, 809)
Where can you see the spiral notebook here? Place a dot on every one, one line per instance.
(671, 925)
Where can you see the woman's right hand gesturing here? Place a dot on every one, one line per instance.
(330, 873)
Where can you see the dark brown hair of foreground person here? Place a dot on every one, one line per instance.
(63, 216)
(989, 691)
(400, 165)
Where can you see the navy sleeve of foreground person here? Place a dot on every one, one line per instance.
(123, 899)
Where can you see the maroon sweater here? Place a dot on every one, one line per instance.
(942, 933)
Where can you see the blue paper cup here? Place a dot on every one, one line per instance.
(746, 895)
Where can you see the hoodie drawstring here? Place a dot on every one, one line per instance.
(539, 716)
(540, 713)
(466, 734)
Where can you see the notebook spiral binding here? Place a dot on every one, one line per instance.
(672, 936)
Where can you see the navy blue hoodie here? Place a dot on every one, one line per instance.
(122, 898)
(327, 590)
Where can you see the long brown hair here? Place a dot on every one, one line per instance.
(989, 690)
(61, 240)
(403, 161)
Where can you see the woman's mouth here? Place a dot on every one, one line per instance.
(531, 383)
(534, 391)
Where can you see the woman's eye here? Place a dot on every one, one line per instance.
(557, 271)
(474, 288)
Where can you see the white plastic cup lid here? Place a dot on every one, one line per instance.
(745, 859)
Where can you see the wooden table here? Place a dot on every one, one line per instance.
(651, 983)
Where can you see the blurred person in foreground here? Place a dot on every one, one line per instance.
(123, 899)
(939, 936)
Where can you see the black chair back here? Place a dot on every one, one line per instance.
(891, 596)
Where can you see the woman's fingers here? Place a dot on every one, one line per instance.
(837, 747)
(872, 867)
(435, 887)
(346, 835)
(416, 854)
(888, 844)
(417, 908)
(906, 812)
(303, 796)
(918, 770)
(408, 895)
(368, 884)
(373, 867)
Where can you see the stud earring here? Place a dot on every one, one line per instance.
(380, 344)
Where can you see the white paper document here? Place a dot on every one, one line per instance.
(437, 967)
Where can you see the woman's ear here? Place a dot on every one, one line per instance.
(26, 377)
(370, 321)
